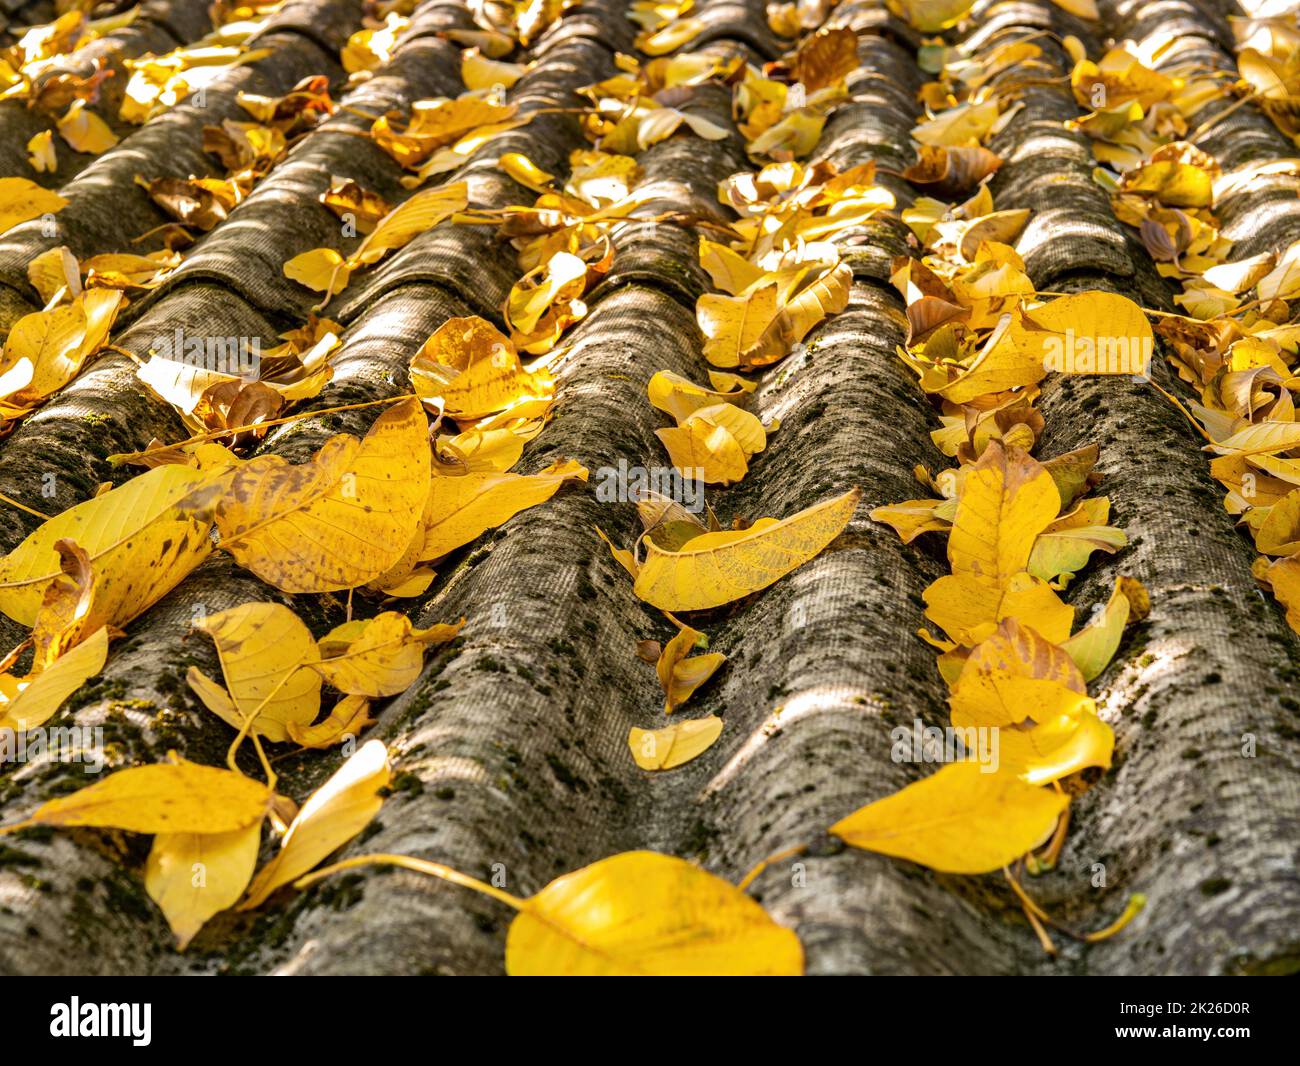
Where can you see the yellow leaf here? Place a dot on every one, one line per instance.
(474, 370)
(968, 609)
(479, 72)
(674, 745)
(1093, 647)
(192, 876)
(325, 271)
(1281, 283)
(1064, 547)
(266, 653)
(333, 815)
(198, 392)
(668, 523)
(716, 568)
(704, 451)
(669, 38)
(435, 124)
(600, 178)
(1015, 674)
(797, 317)
(321, 269)
(622, 556)
(645, 913)
(456, 155)
(421, 212)
(1262, 438)
(1173, 183)
(118, 270)
(22, 200)
(795, 135)
(527, 305)
(1060, 746)
(53, 273)
(55, 343)
(463, 507)
(732, 325)
(339, 520)
(728, 270)
(38, 697)
(1279, 533)
(911, 518)
(66, 614)
(482, 450)
(1283, 577)
(1128, 87)
(679, 675)
(931, 16)
(1110, 334)
(959, 820)
(85, 131)
(379, 656)
(999, 228)
(1012, 357)
(526, 172)
(1007, 499)
(346, 721)
(1072, 472)
(680, 397)
(40, 152)
(951, 171)
(966, 124)
(661, 123)
(747, 430)
(142, 538)
(368, 49)
(170, 797)
(351, 202)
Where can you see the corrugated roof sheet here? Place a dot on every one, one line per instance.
(515, 740)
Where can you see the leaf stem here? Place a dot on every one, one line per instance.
(1048, 859)
(1214, 120)
(131, 457)
(1037, 915)
(423, 866)
(788, 853)
(249, 718)
(1133, 908)
(21, 506)
(1186, 413)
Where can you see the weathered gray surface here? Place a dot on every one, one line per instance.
(512, 745)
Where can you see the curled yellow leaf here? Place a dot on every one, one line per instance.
(332, 815)
(716, 568)
(681, 675)
(378, 656)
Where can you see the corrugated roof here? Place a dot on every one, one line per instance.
(515, 740)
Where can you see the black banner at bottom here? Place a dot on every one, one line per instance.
(145, 1015)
